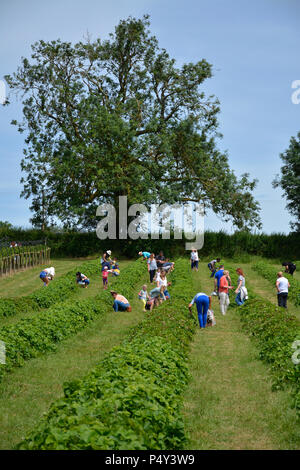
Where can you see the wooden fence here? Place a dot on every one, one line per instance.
(20, 261)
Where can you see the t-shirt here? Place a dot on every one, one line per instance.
(196, 297)
(163, 282)
(83, 277)
(143, 294)
(121, 298)
(283, 285)
(213, 261)
(152, 264)
(218, 276)
(223, 285)
(146, 254)
(105, 274)
(241, 278)
(194, 256)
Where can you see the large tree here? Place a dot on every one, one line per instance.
(289, 179)
(118, 117)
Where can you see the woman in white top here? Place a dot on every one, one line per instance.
(161, 286)
(282, 286)
(46, 275)
(194, 259)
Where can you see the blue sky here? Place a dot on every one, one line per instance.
(254, 49)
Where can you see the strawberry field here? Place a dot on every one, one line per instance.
(132, 380)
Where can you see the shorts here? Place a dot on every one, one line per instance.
(43, 274)
(194, 264)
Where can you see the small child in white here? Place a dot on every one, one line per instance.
(144, 296)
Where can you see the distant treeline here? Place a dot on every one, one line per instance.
(77, 244)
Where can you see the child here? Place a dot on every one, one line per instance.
(105, 277)
(144, 296)
(82, 279)
(115, 270)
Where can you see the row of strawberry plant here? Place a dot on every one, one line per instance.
(43, 297)
(275, 331)
(133, 398)
(269, 272)
(33, 336)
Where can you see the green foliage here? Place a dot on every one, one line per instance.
(33, 336)
(8, 251)
(270, 273)
(44, 297)
(133, 398)
(289, 180)
(120, 110)
(274, 330)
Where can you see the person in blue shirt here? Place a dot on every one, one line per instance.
(203, 303)
(218, 276)
(144, 254)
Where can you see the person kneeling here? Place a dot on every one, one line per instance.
(120, 302)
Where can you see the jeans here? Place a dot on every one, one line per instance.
(224, 302)
(194, 264)
(202, 304)
(152, 273)
(213, 270)
(238, 299)
(282, 299)
(120, 306)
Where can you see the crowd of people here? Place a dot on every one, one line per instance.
(159, 267)
(222, 285)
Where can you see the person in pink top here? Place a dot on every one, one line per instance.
(120, 302)
(105, 277)
(223, 292)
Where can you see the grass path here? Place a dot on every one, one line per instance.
(27, 393)
(229, 403)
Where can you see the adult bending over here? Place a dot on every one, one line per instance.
(105, 260)
(289, 268)
(203, 303)
(212, 265)
(47, 275)
(120, 302)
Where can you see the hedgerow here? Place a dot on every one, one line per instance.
(274, 330)
(43, 297)
(269, 272)
(31, 337)
(133, 398)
